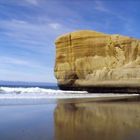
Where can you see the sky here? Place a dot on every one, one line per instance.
(28, 29)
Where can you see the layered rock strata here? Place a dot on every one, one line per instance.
(97, 62)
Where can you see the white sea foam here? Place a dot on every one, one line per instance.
(36, 95)
(36, 92)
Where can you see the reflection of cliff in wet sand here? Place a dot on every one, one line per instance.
(98, 62)
(98, 121)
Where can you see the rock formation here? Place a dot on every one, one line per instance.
(97, 62)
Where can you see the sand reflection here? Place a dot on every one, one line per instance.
(98, 121)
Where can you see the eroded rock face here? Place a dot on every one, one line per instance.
(88, 59)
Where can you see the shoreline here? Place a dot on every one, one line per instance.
(30, 100)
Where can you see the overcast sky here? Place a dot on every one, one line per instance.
(28, 29)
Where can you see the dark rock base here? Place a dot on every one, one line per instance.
(124, 90)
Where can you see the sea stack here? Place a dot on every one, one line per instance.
(97, 62)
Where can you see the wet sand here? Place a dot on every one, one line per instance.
(72, 119)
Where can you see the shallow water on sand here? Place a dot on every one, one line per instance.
(71, 120)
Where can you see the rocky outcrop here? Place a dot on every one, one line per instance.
(89, 60)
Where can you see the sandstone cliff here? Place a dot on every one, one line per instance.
(92, 59)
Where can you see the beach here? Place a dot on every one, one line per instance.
(70, 119)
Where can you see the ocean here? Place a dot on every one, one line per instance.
(41, 94)
(37, 112)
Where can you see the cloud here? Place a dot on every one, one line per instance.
(20, 2)
(55, 26)
(18, 62)
(21, 29)
(18, 69)
(43, 76)
(32, 36)
(99, 5)
(33, 2)
(13, 61)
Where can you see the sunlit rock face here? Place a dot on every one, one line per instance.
(91, 59)
(97, 121)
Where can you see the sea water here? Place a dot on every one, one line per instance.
(37, 113)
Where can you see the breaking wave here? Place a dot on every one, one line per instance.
(21, 90)
(37, 92)
(36, 95)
